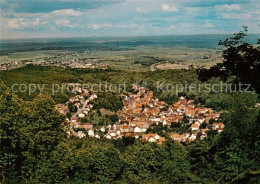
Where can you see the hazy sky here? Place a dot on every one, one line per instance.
(83, 18)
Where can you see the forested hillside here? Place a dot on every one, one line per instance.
(35, 149)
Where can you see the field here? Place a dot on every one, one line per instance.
(139, 59)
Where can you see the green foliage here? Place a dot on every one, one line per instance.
(247, 177)
(109, 101)
(29, 131)
(238, 145)
(241, 59)
(141, 161)
(10, 120)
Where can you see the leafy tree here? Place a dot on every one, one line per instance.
(241, 59)
(40, 133)
(174, 164)
(237, 149)
(141, 162)
(10, 120)
(201, 158)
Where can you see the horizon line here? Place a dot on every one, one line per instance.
(122, 36)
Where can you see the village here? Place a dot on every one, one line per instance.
(140, 114)
(65, 63)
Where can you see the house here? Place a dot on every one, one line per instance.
(221, 125)
(118, 132)
(155, 111)
(87, 126)
(180, 118)
(81, 115)
(137, 129)
(81, 134)
(77, 124)
(190, 113)
(150, 93)
(172, 119)
(73, 123)
(161, 140)
(192, 137)
(137, 110)
(197, 122)
(201, 119)
(157, 136)
(194, 127)
(85, 112)
(63, 109)
(59, 106)
(85, 93)
(191, 120)
(102, 129)
(215, 126)
(112, 134)
(142, 125)
(218, 126)
(128, 134)
(125, 128)
(110, 131)
(164, 123)
(91, 133)
(145, 137)
(108, 136)
(190, 101)
(220, 130)
(156, 119)
(204, 131)
(97, 136)
(151, 139)
(176, 137)
(141, 118)
(74, 119)
(202, 137)
(201, 110)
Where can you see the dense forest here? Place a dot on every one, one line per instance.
(34, 147)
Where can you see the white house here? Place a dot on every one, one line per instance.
(112, 134)
(151, 139)
(102, 129)
(192, 137)
(157, 136)
(97, 136)
(81, 134)
(85, 112)
(108, 136)
(164, 123)
(156, 119)
(91, 133)
(118, 132)
(137, 129)
(81, 115)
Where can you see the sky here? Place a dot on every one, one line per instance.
(88, 18)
